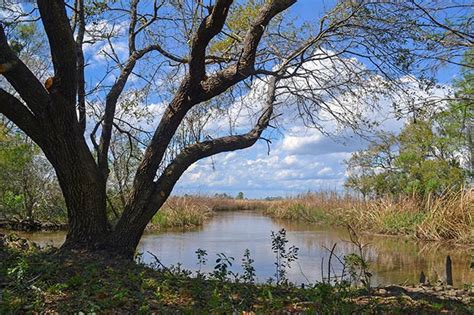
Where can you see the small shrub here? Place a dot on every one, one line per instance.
(283, 256)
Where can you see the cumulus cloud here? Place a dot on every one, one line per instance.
(258, 174)
(313, 142)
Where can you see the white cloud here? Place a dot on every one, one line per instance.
(314, 143)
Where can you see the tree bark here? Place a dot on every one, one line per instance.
(83, 187)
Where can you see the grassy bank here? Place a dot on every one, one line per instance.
(442, 219)
(192, 211)
(32, 281)
(182, 212)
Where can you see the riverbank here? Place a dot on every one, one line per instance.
(447, 219)
(34, 280)
(31, 225)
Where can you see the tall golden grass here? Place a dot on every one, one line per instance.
(449, 218)
(312, 207)
(191, 211)
(446, 218)
(182, 212)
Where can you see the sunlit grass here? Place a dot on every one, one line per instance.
(447, 218)
(191, 211)
(182, 212)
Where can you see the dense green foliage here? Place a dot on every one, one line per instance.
(417, 162)
(28, 187)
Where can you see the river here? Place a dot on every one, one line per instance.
(393, 260)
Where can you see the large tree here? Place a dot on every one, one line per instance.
(206, 55)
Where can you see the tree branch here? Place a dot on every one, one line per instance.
(222, 80)
(81, 84)
(210, 27)
(132, 25)
(458, 33)
(113, 96)
(19, 114)
(21, 78)
(62, 46)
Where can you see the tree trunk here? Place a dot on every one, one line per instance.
(86, 204)
(83, 188)
(129, 229)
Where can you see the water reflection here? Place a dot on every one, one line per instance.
(393, 259)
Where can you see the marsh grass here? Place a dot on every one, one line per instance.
(227, 204)
(310, 207)
(192, 211)
(182, 212)
(447, 218)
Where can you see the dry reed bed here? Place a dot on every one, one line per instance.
(447, 218)
(191, 211)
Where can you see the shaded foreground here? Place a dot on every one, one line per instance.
(51, 280)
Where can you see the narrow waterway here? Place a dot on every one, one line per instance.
(393, 260)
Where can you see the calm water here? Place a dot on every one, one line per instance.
(393, 260)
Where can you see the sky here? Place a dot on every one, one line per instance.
(298, 160)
